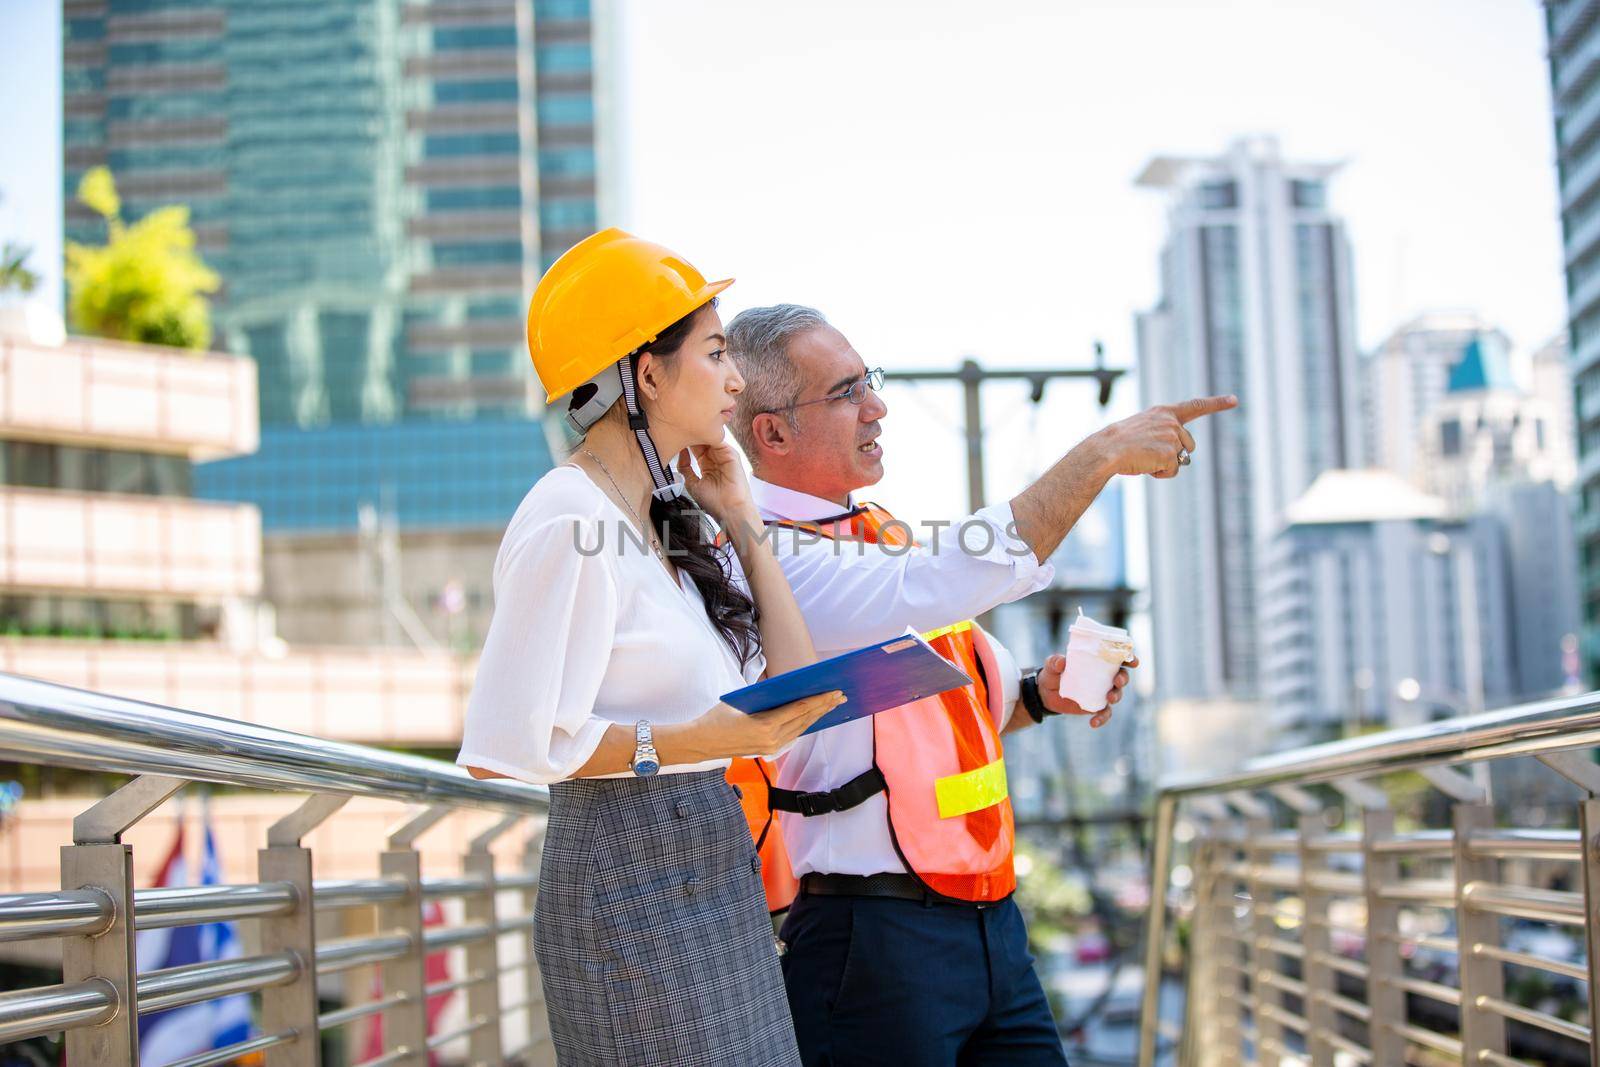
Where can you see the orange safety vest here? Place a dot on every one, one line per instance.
(938, 761)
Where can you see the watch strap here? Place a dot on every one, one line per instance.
(1031, 700)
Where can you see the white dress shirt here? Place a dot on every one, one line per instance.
(854, 595)
(586, 633)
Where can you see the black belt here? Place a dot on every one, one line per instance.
(899, 886)
(868, 783)
(896, 886)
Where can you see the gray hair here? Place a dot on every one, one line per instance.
(759, 340)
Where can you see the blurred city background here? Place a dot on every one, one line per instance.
(265, 406)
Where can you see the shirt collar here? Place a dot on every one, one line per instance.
(779, 502)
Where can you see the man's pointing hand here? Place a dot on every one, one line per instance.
(1149, 442)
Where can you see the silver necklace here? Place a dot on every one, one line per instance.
(649, 534)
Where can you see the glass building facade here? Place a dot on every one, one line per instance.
(1574, 34)
(379, 184)
(434, 474)
(1256, 301)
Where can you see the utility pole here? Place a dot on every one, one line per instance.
(972, 376)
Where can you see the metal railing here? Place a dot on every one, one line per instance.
(97, 912)
(1379, 943)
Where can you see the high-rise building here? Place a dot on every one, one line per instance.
(1573, 28)
(1551, 381)
(1384, 608)
(1256, 300)
(379, 184)
(1487, 431)
(1407, 377)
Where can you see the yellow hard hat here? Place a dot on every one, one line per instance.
(605, 297)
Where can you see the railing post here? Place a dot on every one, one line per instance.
(1320, 980)
(1264, 996)
(1386, 1001)
(483, 956)
(539, 1051)
(1481, 1031)
(406, 1023)
(294, 1006)
(98, 859)
(1589, 828)
(1155, 926)
(1212, 987)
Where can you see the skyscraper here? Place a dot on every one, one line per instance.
(379, 183)
(1407, 377)
(1255, 300)
(1486, 431)
(1573, 27)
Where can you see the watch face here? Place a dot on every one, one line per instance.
(645, 767)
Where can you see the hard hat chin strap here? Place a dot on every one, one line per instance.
(667, 487)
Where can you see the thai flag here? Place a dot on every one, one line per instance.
(166, 1036)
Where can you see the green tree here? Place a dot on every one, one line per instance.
(14, 272)
(146, 283)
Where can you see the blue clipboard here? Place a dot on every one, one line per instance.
(873, 679)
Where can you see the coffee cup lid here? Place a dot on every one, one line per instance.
(1099, 629)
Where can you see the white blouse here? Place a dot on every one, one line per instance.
(588, 630)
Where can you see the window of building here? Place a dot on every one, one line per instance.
(560, 9)
(1308, 194)
(496, 307)
(567, 214)
(473, 92)
(40, 465)
(480, 198)
(449, 145)
(566, 109)
(575, 162)
(89, 29)
(568, 57)
(52, 616)
(453, 37)
(1219, 195)
(469, 254)
(1450, 437)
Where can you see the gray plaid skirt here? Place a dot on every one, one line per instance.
(651, 927)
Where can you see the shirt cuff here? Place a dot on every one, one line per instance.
(574, 753)
(1007, 548)
(1010, 680)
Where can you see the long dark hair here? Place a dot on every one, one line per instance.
(687, 535)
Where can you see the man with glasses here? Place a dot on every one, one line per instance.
(904, 944)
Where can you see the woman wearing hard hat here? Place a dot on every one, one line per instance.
(618, 622)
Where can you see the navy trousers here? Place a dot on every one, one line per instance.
(874, 980)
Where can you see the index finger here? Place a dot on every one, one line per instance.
(1189, 410)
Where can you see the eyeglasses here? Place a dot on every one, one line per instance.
(855, 392)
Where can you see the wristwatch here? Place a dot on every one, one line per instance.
(645, 761)
(1032, 702)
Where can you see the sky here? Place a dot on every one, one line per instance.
(30, 136)
(947, 179)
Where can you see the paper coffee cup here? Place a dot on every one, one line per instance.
(1095, 653)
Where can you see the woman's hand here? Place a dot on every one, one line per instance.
(721, 487)
(725, 731)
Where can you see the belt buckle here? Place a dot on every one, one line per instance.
(814, 804)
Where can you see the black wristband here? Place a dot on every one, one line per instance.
(1031, 700)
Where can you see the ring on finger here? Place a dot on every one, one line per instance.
(1184, 457)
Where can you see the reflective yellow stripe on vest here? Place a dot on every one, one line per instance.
(969, 791)
(953, 628)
